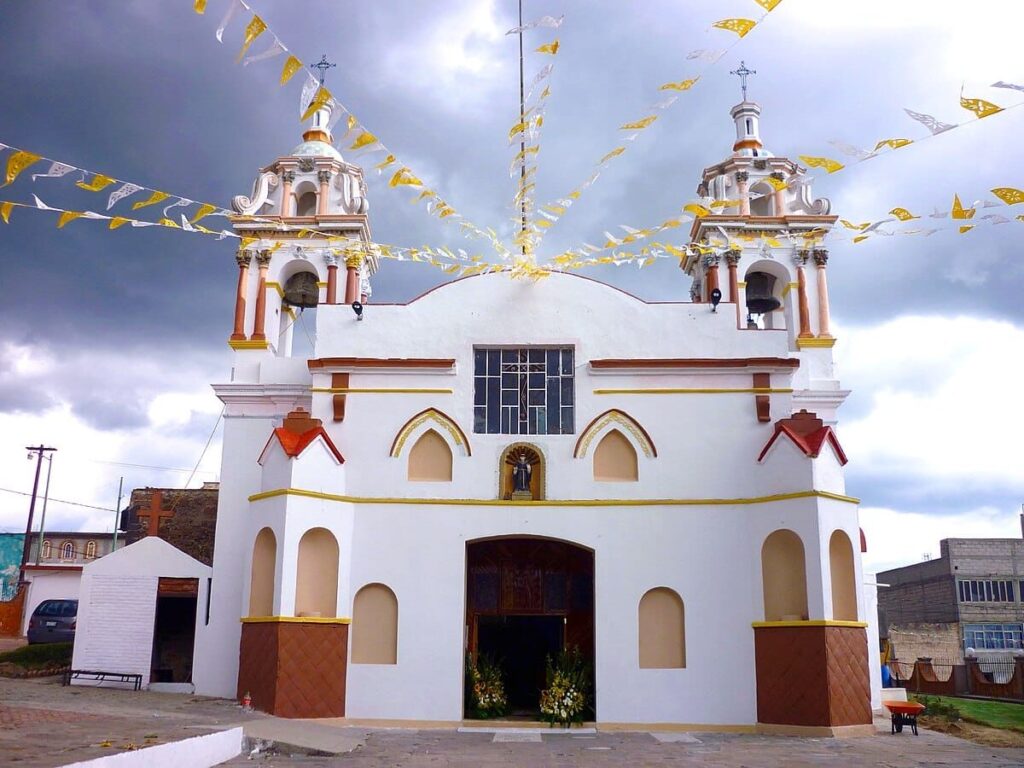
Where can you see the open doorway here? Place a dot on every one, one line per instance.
(174, 632)
(528, 599)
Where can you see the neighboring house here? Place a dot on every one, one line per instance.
(186, 518)
(69, 548)
(12, 547)
(971, 596)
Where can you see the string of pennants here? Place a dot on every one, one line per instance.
(364, 142)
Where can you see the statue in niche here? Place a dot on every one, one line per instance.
(521, 474)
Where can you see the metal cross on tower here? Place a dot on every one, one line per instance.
(743, 73)
(323, 65)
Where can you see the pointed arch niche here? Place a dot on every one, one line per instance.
(618, 439)
(435, 438)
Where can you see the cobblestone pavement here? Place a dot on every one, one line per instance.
(43, 725)
(449, 749)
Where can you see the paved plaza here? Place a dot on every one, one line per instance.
(43, 725)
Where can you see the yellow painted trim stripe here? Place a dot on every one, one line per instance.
(741, 284)
(382, 390)
(812, 623)
(554, 502)
(277, 287)
(811, 343)
(697, 391)
(321, 284)
(248, 344)
(789, 287)
(294, 620)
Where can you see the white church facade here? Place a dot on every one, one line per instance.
(512, 468)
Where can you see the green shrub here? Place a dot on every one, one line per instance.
(936, 707)
(39, 656)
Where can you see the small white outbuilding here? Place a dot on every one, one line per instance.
(137, 614)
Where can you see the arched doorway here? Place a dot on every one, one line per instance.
(527, 599)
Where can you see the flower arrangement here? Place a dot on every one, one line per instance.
(485, 689)
(567, 696)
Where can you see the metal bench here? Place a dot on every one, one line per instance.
(121, 677)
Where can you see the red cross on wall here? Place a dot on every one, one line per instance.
(156, 514)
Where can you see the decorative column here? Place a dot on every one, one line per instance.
(711, 281)
(732, 259)
(780, 194)
(332, 278)
(352, 264)
(243, 258)
(741, 185)
(258, 333)
(287, 177)
(820, 260)
(800, 258)
(324, 177)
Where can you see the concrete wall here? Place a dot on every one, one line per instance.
(939, 641)
(49, 585)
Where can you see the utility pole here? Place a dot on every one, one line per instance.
(39, 450)
(117, 512)
(46, 499)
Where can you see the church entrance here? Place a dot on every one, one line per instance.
(528, 599)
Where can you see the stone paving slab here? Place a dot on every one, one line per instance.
(304, 734)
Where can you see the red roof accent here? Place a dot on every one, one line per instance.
(808, 433)
(294, 444)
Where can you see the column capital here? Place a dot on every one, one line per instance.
(820, 257)
(263, 259)
(777, 175)
(243, 257)
(711, 261)
(800, 257)
(732, 256)
(330, 259)
(323, 176)
(354, 262)
(742, 176)
(288, 176)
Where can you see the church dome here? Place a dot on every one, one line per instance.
(316, 149)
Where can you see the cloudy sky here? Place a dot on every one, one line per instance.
(108, 340)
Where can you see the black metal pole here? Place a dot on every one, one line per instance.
(522, 142)
(39, 450)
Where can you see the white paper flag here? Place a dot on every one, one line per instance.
(232, 10)
(43, 206)
(851, 151)
(1012, 86)
(56, 170)
(308, 90)
(997, 218)
(180, 203)
(704, 54)
(929, 122)
(543, 21)
(121, 193)
(276, 49)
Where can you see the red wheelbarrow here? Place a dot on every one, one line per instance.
(903, 713)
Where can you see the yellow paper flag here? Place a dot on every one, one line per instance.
(903, 214)
(614, 153)
(697, 210)
(403, 176)
(291, 66)
(67, 216)
(830, 166)
(768, 5)
(740, 26)
(200, 6)
(204, 210)
(320, 99)
(1009, 195)
(168, 223)
(517, 128)
(959, 212)
(17, 163)
(365, 139)
(858, 227)
(892, 143)
(966, 228)
(980, 107)
(255, 28)
(726, 204)
(776, 184)
(156, 197)
(860, 238)
(118, 221)
(639, 124)
(385, 163)
(682, 85)
(551, 48)
(5, 212)
(99, 181)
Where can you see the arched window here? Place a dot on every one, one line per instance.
(67, 551)
(316, 577)
(261, 584)
(375, 626)
(615, 459)
(844, 581)
(306, 204)
(90, 550)
(430, 458)
(47, 550)
(784, 577)
(662, 630)
(762, 200)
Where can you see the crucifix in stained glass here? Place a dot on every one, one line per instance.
(522, 368)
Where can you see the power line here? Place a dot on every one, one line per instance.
(151, 466)
(61, 501)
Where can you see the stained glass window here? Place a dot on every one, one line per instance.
(524, 391)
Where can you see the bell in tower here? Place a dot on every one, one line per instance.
(760, 293)
(301, 290)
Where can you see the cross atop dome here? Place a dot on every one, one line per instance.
(323, 65)
(743, 73)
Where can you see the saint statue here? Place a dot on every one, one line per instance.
(521, 473)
